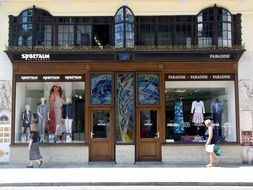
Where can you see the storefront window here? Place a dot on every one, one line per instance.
(189, 103)
(54, 103)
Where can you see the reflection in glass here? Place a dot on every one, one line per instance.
(34, 97)
(101, 89)
(124, 28)
(207, 19)
(84, 35)
(65, 35)
(148, 89)
(125, 108)
(148, 124)
(189, 103)
(101, 123)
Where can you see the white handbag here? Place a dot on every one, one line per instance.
(209, 147)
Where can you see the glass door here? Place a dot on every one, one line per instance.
(101, 135)
(148, 135)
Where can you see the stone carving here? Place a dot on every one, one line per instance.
(245, 94)
(5, 95)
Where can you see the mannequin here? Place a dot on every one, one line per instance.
(217, 107)
(68, 116)
(27, 117)
(42, 111)
(56, 102)
(198, 110)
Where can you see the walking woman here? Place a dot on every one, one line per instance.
(34, 151)
(210, 143)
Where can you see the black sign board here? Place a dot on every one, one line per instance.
(49, 78)
(195, 77)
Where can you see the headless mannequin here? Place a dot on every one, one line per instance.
(27, 117)
(68, 115)
(42, 111)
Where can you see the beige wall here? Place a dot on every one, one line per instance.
(109, 7)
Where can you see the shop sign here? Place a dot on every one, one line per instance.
(49, 78)
(35, 57)
(247, 138)
(185, 77)
(220, 56)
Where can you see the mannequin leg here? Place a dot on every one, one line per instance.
(70, 126)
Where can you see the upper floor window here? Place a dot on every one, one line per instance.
(124, 28)
(25, 28)
(214, 27)
(34, 28)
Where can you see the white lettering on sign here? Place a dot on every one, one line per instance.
(51, 77)
(35, 57)
(29, 77)
(220, 56)
(73, 77)
(198, 76)
(221, 76)
(176, 77)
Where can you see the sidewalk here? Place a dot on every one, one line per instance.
(116, 175)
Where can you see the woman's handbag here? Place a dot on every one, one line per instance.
(209, 148)
(217, 151)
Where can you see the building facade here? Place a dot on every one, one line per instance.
(123, 82)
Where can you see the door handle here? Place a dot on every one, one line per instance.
(157, 134)
(91, 134)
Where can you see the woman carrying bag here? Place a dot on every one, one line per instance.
(210, 143)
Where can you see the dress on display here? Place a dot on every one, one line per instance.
(58, 110)
(51, 123)
(198, 109)
(178, 117)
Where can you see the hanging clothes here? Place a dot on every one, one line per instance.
(178, 116)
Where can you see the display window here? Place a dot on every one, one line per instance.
(54, 103)
(191, 99)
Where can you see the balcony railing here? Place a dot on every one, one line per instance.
(160, 48)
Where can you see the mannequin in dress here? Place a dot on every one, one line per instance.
(42, 111)
(27, 117)
(56, 102)
(198, 110)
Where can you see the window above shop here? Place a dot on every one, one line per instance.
(213, 27)
(124, 28)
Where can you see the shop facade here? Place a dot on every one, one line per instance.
(131, 88)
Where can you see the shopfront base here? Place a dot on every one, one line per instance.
(57, 154)
(196, 155)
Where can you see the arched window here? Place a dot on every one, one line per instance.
(124, 28)
(224, 28)
(43, 28)
(25, 28)
(214, 27)
(34, 28)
